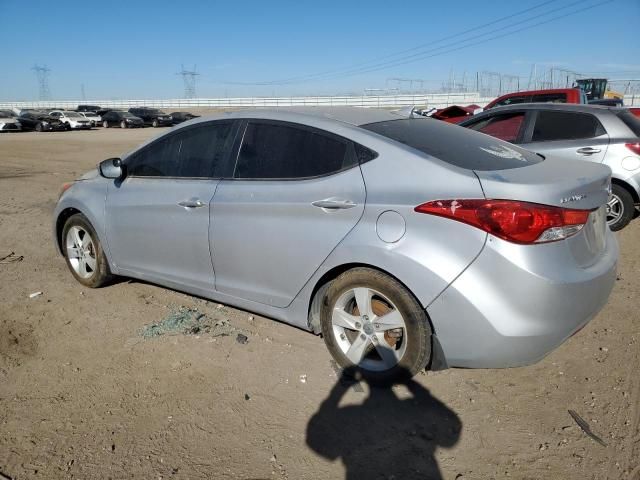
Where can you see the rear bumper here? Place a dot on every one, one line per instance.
(510, 308)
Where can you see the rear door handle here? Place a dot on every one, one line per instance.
(333, 204)
(192, 203)
(588, 151)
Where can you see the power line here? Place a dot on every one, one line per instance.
(447, 48)
(401, 52)
(479, 42)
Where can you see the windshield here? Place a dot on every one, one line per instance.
(127, 115)
(72, 114)
(6, 114)
(455, 145)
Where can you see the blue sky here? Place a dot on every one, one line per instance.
(133, 49)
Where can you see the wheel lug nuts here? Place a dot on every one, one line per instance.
(363, 336)
(365, 318)
(342, 336)
(358, 325)
(377, 325)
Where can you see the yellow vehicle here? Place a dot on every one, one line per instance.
(596, 89)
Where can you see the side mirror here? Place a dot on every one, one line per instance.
(111, 168)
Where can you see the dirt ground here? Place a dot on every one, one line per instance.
(83, 394)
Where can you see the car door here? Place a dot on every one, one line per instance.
(296, 193)
(158, 217)
(568, 135)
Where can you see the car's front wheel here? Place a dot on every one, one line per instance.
(123, 124)
(374, 327)
(155, 124)
(39, 127)
(83, 252)
(105, 124)
(620, 208)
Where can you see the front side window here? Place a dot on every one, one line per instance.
(197, 152)
(551, 125)
(282, 151)
(505, 127)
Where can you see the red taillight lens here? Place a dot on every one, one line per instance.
(518, 222)
(634, 147)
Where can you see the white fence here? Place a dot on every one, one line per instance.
(381, 101)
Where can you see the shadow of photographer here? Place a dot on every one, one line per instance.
(385, 437)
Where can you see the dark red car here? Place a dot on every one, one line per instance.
(556, 95)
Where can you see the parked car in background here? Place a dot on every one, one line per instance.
(93, 117)
(455, 113)
(40, 121)
(87, 108)
(599, 134)
(72, 120)
(179, 117)
(152, 116)
(118, 118)
(386, 227)
(556, 95)
(9, 121)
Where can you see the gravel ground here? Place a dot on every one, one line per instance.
(84, 394)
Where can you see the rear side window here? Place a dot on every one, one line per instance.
(631, 121)
(282, 151)
(455, 145)
(550, 98)
(513, 100)
(197, 152)
(505, 127)
(551, 125)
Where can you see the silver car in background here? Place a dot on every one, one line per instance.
(599, 134)
(405, 242)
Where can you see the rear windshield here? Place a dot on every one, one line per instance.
(455, 145)
(630, 121)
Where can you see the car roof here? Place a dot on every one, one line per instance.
(565, 107)
(356, 116)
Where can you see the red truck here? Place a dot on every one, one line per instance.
(556, 95)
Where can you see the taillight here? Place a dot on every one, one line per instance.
(514, 221)
(634, 147)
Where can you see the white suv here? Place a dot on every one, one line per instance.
(72, 120)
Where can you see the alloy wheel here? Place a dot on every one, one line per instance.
(615, 209)
(369, 329)
(81, 252)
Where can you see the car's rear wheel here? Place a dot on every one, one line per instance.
(620, 208)
(83, 252)
(105, 124)
(374, 327)
(123, 124)
(38, 127)
(155, 124)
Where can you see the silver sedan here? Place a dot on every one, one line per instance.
(405, 242)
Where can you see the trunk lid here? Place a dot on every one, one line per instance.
(569, 184)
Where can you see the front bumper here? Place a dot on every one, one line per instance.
(510, 309)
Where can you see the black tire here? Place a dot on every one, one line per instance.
(123, 124)
(67, 127)
(38, 127)
(626, 203)
(101, 274)
(417, 332)
(105, 124)
(155, 123)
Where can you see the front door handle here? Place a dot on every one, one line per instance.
(588, 151)
(192, 203)
(333, 204)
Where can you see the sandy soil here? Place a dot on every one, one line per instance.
(84, 395)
